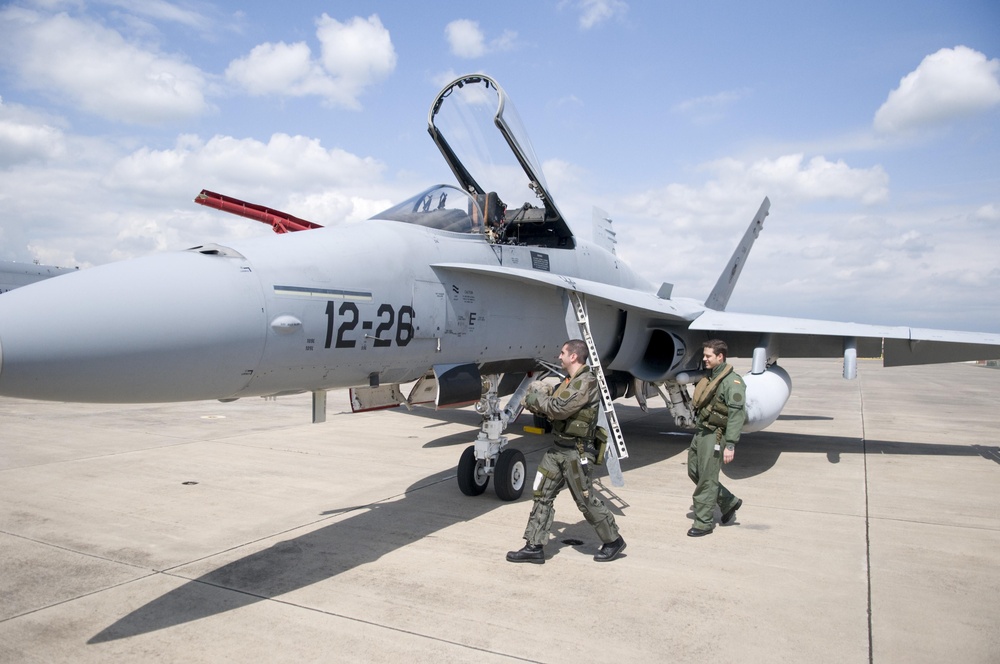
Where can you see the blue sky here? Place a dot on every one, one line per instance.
(874, 128)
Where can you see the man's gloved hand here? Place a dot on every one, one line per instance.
(535, 390)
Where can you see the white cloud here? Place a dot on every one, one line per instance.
(357, 53)
(683, 233)
(595, 12)
(989, 212)
(789, 178)
(89, 203)
(281, 68)
(24, 137)
(467, 40)
(952, 83)
(818, 179)
(882, 266)
(353, 56)
(285, 163)
(160, 10)
(81, 62)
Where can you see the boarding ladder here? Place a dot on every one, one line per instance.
(617, 440)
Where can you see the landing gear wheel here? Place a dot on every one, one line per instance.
(472, 476)
(508, 476)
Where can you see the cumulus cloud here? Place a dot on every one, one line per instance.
(683, 232)
(917, 266)
(24, 137)
(467, 40)
(817, 179)
(989, 212)
(281, 69)
(789, 177)
(86, 64)
(353, 56)
(950, 84)
(91, 203)
(292, 162)
(595, 12)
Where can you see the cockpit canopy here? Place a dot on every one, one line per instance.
(474, 124)
(443, 207)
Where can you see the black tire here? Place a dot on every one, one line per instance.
(471, 478)
(509, 475)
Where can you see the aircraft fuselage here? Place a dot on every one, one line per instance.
(327, 308)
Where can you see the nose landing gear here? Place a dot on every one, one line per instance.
(490, 456)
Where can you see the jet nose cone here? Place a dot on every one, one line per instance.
(172, 327)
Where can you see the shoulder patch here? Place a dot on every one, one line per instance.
(737, 397)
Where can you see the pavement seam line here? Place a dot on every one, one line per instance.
(400, 630)
(73, 599)
(868, 539)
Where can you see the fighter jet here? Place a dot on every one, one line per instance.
(465, 292)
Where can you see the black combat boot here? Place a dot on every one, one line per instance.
(610, 550)
(531, 553)
(731, 514)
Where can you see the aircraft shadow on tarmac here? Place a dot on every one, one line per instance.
(428, 506)
(758, 452)
(435, 503)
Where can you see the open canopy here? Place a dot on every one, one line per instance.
(477, 129)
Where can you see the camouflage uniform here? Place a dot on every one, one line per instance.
(573, 409)
(719, 422)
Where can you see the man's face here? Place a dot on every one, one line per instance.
(566, 358)
(710, 359)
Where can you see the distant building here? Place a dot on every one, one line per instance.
(14, 275)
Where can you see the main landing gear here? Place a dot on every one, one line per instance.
(490, 456)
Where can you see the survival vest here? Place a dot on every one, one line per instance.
(582, 424)
(713, 414)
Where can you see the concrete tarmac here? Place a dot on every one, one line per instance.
(211, 532)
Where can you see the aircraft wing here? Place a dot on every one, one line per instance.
(626, 298)
(792, 337)
(898, 345)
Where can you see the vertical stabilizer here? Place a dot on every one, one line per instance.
(719, 297)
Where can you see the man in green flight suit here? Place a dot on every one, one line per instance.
(719, 402)
(573, 408)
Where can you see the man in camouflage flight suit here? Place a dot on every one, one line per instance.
(573, 409)
(719, 402)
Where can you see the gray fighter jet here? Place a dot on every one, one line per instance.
(466, 292)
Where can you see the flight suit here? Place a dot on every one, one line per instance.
(573, 409)
(720, 419)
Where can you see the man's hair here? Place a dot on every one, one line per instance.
(717, 346)
(579, 348)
